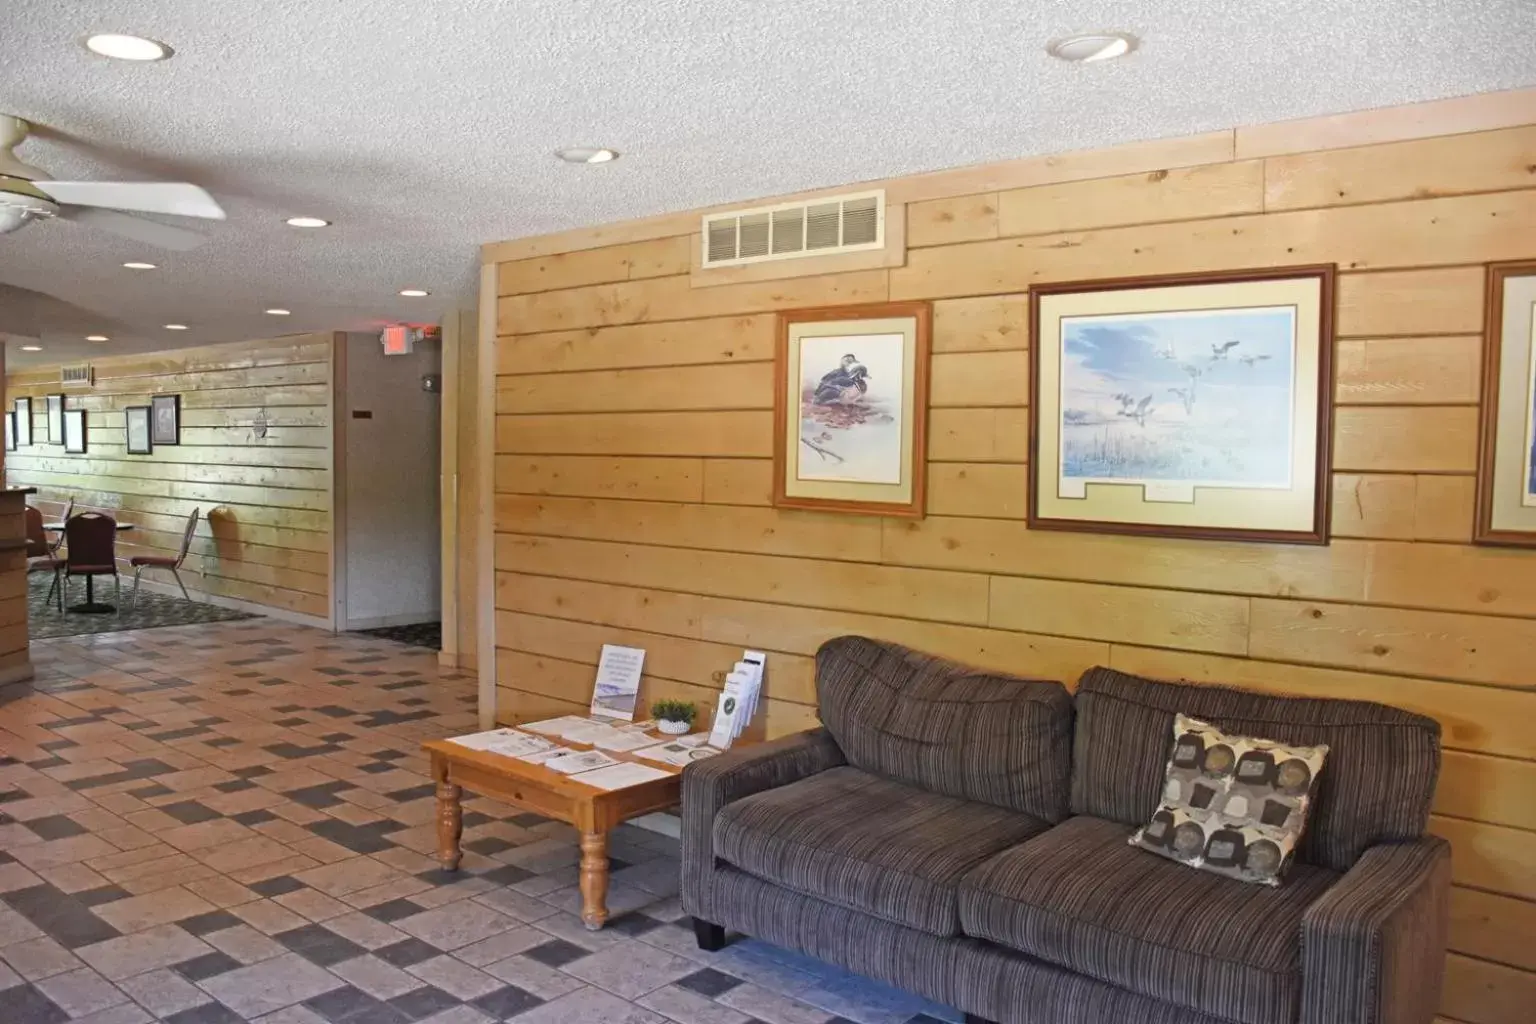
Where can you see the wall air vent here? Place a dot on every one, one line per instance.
(76, 376)
(850, 223)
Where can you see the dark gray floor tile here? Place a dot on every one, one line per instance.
(407, 952)
(213, 921)
(257, 817)
(507, 1001)
(394, 910)
(488, 846)
(413, 793)
(708, 982)
(255, 771)
(55, 826)
(30, 1006)
(270, 887)
(341, 1003)
(321, 796)
(65, 919)
(104, 894)
(556, 953)
(357, 838)
(189, 812)
(235, 785)
(209, 965)
(319, 945)
(208, 1013)
(508, 874)
(423, 1002)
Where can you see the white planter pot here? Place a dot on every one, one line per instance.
(672, 728)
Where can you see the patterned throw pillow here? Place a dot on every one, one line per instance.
(1234, 805)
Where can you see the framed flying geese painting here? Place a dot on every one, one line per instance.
(1506, 473)
(1184, 406)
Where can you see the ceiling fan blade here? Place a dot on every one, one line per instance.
(128, 226)
(174, 197)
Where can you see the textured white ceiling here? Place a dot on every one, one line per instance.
(423, 128)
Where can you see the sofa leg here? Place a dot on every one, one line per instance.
(711, 936)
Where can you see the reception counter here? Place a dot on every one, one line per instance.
(15, 659)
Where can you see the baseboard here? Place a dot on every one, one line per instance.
(233, 604)
(385, 621)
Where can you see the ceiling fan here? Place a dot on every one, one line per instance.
(26, 195)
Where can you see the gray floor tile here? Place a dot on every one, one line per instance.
(143, 951)
(689, 1007)
(271, 985)
(81, 992)
(590, 1006)
(456, 925)
(630, 971)
(164, 992)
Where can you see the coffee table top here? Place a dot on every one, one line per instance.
(568, 785)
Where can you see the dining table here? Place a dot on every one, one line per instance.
(90, 606)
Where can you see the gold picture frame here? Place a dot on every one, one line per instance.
(851, 409)
(1190, 405)
(1506, 464)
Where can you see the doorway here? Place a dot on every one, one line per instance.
(388, 562)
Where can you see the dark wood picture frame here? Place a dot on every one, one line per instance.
(1318, 533)
(55, 409)
(1483, 530)
(74, 420)
(23, 410)
(145, 414)
(922, 315)
(165, 419)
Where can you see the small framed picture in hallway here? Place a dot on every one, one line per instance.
(139, 430)
(167, 419)
(23, 415)
(74, 431)
(55, 419)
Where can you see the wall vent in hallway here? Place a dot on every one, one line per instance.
(76, 376)
(849, 223)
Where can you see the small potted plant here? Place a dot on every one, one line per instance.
(673, 717)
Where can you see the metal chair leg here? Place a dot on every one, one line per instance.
(51, 588)
(117, 594)
(185, 596)
(138, 569)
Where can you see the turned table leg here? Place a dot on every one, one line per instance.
(450, 818)
(594, 879)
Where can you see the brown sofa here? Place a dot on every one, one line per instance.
(962, 835)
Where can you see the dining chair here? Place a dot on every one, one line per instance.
(91, 550)
(40, 556)
(142, 562)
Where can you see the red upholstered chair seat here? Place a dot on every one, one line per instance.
(44, 564)
(75, 567)
(161, 561)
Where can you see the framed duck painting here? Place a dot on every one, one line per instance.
(851, 409)
(1506, 472)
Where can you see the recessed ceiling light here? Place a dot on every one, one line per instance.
(307, 222)
(1092, 46)
(31, 348)
(175, 327)
(97, 337)
(121, 47)
(139, 266)
(586, 155)
(277, 312)
(413, 293)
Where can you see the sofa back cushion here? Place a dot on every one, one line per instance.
(1376, 787)
(948, 728)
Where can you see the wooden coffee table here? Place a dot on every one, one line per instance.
(594, 812)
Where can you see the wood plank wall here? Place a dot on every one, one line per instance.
(255, 456)
(633, 474)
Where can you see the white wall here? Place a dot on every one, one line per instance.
(392, 537)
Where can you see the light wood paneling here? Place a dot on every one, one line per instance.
(255, 457)
(634, 474)
(1189, 193)
(715, 340)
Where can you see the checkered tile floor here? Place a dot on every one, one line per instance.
(230, 822)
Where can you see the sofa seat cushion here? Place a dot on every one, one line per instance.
(1079, 896)
(868, 843)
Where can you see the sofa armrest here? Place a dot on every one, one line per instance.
(711, 784)
(1373, 946)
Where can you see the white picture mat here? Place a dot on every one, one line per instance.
(1514, 430)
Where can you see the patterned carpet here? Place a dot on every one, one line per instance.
(419, 634)
(233, 822)
(150, 611)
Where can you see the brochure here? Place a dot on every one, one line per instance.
(483, 740)
(557, 726)
(542, 756)
(579, 761)
(620, 775)
(618, 682)
(519, 744)
(677, 752)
